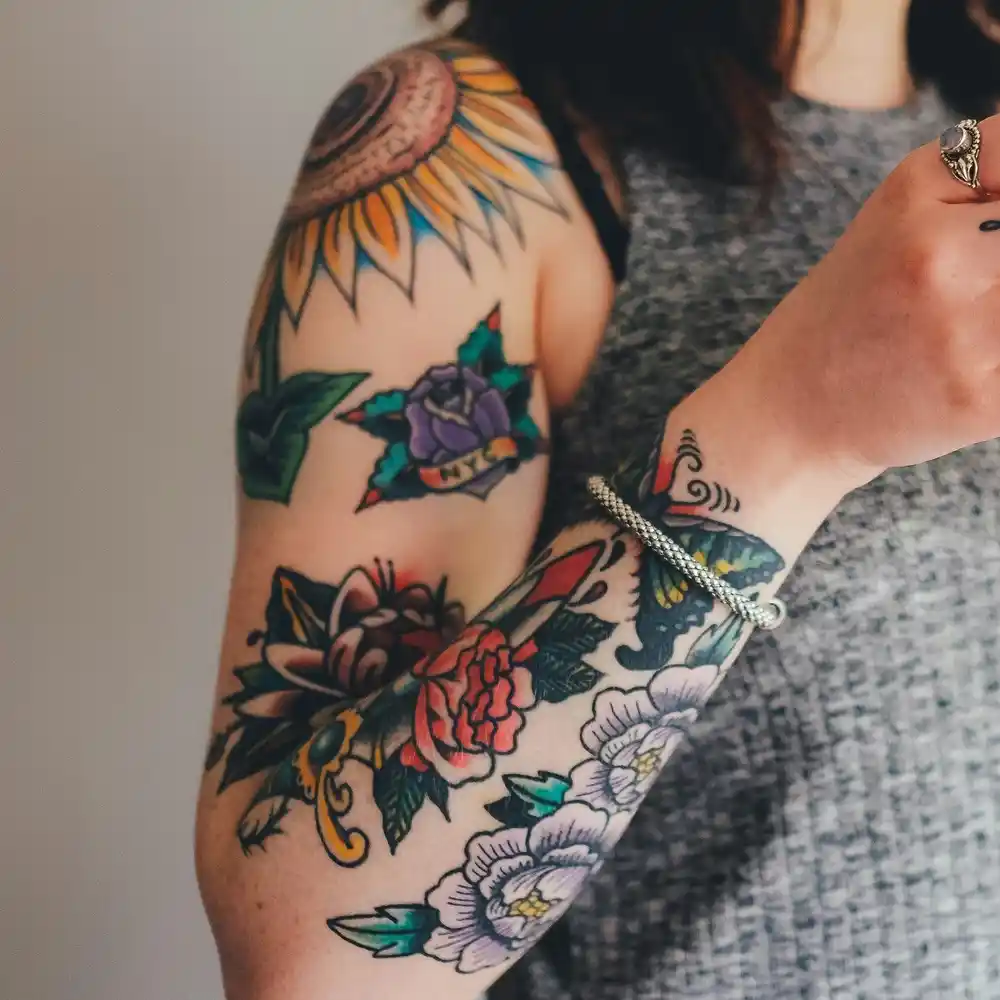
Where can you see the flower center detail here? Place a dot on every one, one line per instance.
(532, 906)
(645, 763)
(449, 395)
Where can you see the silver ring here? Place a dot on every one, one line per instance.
(960, 146)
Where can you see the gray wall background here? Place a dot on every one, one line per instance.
(145, 149)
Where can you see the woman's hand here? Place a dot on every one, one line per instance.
(888, 353)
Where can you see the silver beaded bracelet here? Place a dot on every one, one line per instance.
(767, 617)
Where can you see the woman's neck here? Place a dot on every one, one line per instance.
(853, 54)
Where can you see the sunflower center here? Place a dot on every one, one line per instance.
(645, 763)
(533, 906)
(389, 120)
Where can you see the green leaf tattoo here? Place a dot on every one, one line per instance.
(558, 668)
(389, 932)
(529, 799)
(272, 429)
(399, 792)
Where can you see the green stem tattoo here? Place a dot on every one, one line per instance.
(268, 348)
(275, 419)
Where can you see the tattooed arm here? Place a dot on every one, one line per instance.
(397, 801)
(384, 779)
(450, 817)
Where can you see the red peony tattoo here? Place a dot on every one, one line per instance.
(471, 703)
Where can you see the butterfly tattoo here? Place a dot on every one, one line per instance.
(669, 605)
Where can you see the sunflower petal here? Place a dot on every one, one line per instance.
(443, 222)
(340, 252)
(485, 155)
(493, 80)
(384, 233)
(299, 265)
(448, 190)
(492, 192)
(512, 126)
(473, 64)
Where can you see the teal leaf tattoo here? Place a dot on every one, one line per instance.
(529, 799)
(511, 377)
(393, 466)
(558, 670)
(389, 932)
(272, 430)
(483, 348)
(716, 643)
(383, 416)
(399, 792)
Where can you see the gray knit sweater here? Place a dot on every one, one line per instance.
(832, 830)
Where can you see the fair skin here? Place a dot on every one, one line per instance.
(830, 392)
(853, 54)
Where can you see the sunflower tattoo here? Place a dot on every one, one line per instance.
(432, 143)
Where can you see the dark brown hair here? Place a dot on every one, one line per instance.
(695, 79)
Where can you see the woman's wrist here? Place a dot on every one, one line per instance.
(785, 487)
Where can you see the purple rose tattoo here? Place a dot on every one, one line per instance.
(461, 428)
(453, 411)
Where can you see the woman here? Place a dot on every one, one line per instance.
(454, 328)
